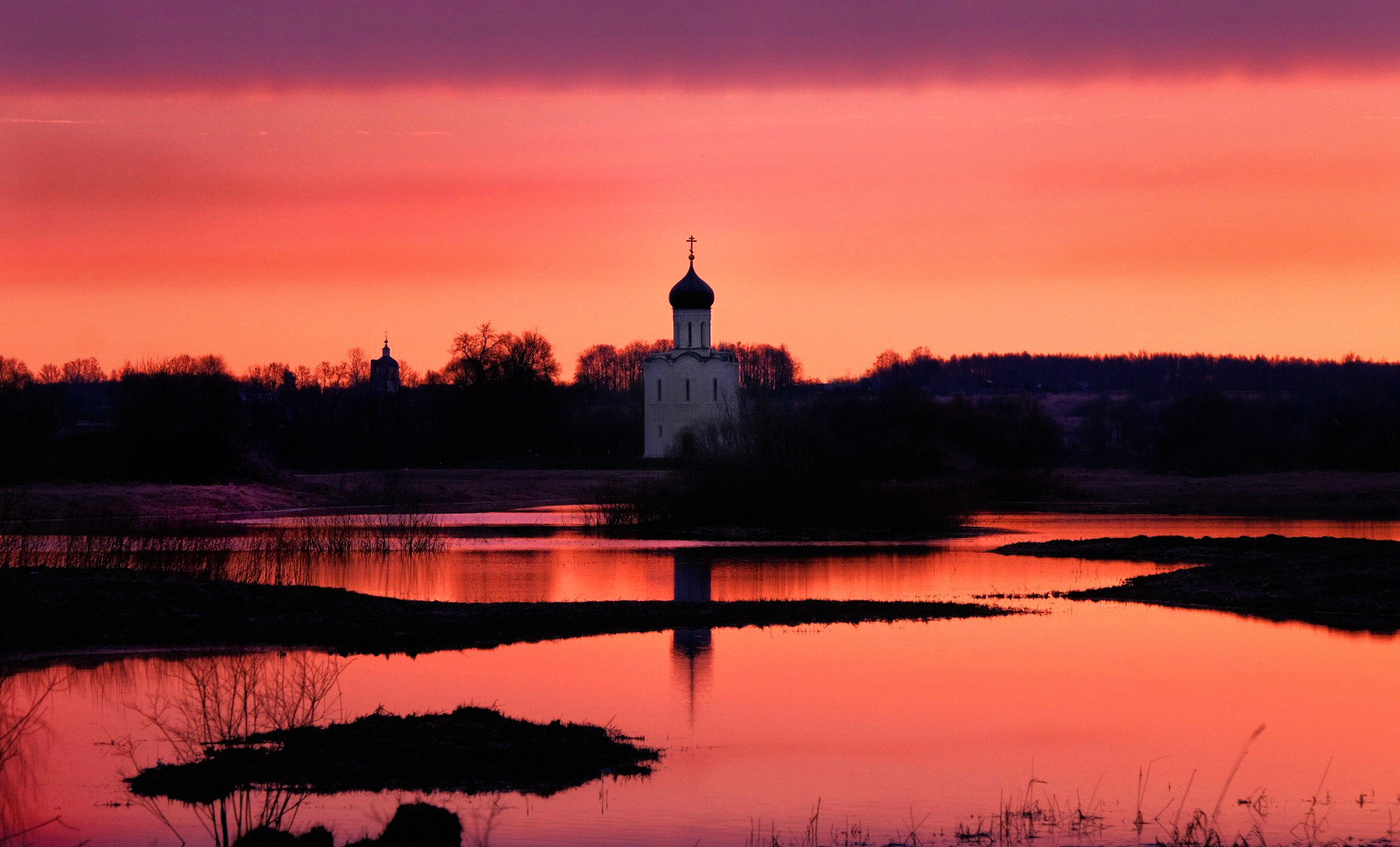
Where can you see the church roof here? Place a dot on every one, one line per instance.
(700, 355)
(692, 292)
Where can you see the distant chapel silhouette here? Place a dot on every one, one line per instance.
(384, 372)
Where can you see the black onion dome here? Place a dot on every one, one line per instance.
(692, 292)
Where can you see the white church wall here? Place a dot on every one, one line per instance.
(686, 391)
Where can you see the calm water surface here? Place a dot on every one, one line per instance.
(1102, 709)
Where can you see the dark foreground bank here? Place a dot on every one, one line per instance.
(472, 750)
(50, 613)
(1344, 583)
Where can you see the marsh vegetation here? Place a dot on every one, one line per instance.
(214, 549)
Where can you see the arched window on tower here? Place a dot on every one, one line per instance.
(689, 334)
(687, 391)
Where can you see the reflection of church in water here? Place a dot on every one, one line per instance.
(692, 654)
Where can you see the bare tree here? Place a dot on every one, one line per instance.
(181, 365)
(83, 371)
(328, 375)
(597, 368)
(268, 377)
(765, 366)
(226, 697)
(356, 366)
(885, 362)
(477, 356)
(14, 373)
(530, 358)
(603, 367)
(485, 357)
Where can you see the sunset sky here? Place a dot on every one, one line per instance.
(282, 180)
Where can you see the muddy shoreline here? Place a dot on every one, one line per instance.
(1321, 495)
(1337, 495)
(62, 614)
(1350, 584)
(456, 490)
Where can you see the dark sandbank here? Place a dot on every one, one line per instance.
(48, 614)
(472, 750)
(1343, 583)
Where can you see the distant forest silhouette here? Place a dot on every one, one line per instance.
(500, 400)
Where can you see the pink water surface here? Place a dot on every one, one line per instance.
(1106, 709)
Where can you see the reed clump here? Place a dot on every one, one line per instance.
(347, 534)
(1032, 814)
(151, 542)
(281, 553)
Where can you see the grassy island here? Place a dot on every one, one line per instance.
(1343, 583)
(472, 750)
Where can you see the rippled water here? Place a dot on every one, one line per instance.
(1075, 719)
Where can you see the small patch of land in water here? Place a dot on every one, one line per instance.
(1343, 583)
(472, 749)
(51, 614)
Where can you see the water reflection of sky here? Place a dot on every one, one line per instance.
(570, 565)
(944, 721)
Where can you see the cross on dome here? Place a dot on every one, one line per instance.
(692, 292)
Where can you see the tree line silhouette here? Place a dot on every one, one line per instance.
(190, 419)
(500, 399)
(1197, 414)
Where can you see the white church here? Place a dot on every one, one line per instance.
(692, 384)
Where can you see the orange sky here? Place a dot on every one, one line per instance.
(1220, 212)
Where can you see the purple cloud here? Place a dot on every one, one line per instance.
(233, 44)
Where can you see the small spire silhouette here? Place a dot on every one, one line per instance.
(692, 248)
